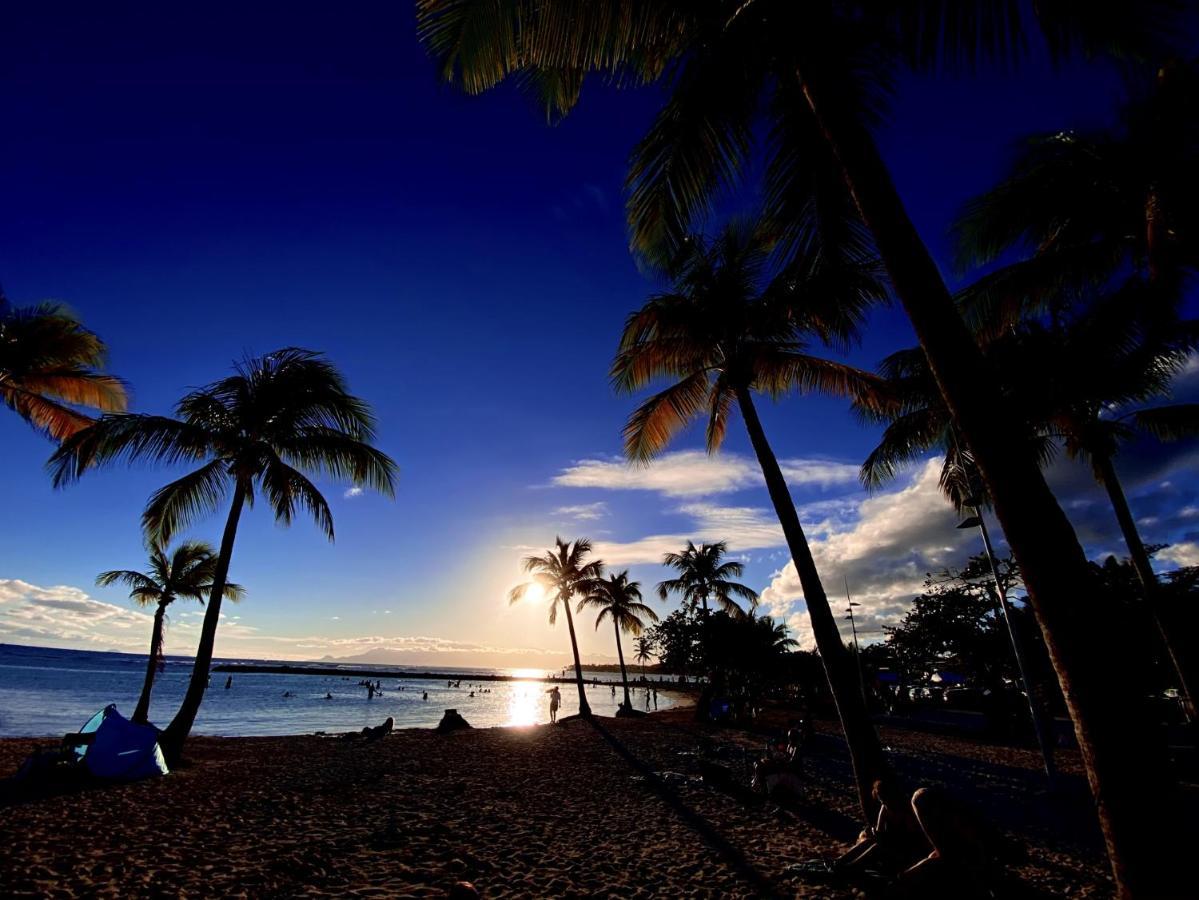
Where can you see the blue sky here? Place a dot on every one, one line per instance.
(199, 184)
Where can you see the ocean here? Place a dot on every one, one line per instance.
(46, 692)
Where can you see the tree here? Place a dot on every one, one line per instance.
(186, 573)
(562, 574)
(1080, 379)
(726, 332)
(823, 69)
(1093, 207)
(644, 650)
(678, 642)
(703, 578)
(619, 599)
(50, 363)
(748, 656)
(256, 431)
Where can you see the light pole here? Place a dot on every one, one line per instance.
(856, 650)
(1039, 725)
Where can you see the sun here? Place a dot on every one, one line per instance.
(535, 593)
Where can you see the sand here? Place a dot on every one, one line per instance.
(541, 811)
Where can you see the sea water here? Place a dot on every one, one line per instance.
(46, 692)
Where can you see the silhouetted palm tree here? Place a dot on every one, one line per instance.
(563, 574)
(643, 651)
(186, 574)
(1080, 381)
(724, 334)
(1088, 207)
(820, 71)
(619, 599)
(705, 577)
(49, 360)
(256, 430)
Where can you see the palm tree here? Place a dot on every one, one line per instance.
(725, 335)
(1089, 207)
(254, 431)
(1081, 381)
(643, 651)
(562, 573)
(186, 573)
(703, 577)
(820, 71)
(49, 360)
(619, 599)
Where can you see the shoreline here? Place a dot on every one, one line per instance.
(285, 669)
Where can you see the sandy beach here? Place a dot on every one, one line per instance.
(537, 811)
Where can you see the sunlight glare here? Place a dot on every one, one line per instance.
(526, 703)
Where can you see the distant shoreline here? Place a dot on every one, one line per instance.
(363, 672)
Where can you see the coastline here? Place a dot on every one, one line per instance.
(534, 810)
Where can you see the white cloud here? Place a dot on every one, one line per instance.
(693, 473)
(885, 554)
(352, 492)
(1184, 553)
(743, 527)
(583, 512)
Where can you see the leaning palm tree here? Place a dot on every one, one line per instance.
(619, 599)
(705, 577)
(643, 651)
(1085, 207)
(1082, 381)
(186, 574)
(820, 71)
(726, 332)
(562, 574)
(256, 431)
(49, 364)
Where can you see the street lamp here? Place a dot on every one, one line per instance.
(1038, 721)
(856, 650)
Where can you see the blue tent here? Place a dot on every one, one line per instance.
(122, 749)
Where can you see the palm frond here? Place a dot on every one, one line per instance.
(656, 421)
(286, 488)
(175, 506)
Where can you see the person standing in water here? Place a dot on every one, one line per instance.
(229, 682)
(555, 702)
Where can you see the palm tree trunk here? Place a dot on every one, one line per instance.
(624, 676)
(1128, 772)
(172, 739)
(864, 749)
(584, 706)
(141, 714)
(1106, 470)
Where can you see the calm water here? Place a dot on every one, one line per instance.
(47, 692)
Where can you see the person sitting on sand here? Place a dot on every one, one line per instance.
(555, 702)
(960, 864)
(895, 841)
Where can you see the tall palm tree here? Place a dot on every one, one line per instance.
(187, 574)
(725, 332)
(704, 577)
(255, 431)
(1081, 380)
(817, 68)
(562, 574)
(1092, 206)
(49, 363)
(619, 599)
(643, 651)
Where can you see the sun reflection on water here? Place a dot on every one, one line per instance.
(527, 703)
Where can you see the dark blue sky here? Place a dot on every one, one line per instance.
(232, 178)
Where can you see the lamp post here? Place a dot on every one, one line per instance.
(1039, 725)
(856, 650)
